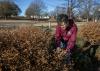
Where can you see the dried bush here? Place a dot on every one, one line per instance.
(90, 32)
(27, 49)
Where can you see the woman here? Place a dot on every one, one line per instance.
(65, 35)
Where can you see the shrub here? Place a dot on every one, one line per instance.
(26, 49)
(90, 32)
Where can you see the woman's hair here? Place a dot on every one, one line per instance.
(62, 18)
(71, 22)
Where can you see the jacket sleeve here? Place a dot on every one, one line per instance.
(72, 39)
(58, 36)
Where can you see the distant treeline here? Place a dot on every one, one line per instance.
(24, 18)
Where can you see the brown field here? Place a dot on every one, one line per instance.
(23, 51)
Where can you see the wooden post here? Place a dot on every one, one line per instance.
(49, 24)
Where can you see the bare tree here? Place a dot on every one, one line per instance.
(86, 8)
(71, 6)
(83, 8)
(96, 14)
(35, 8)
(52, 13)
(58, 10)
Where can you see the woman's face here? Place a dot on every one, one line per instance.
(64, 25)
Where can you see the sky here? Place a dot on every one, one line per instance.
(50, 4)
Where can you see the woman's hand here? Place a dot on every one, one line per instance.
(58, 49)
(67, 50)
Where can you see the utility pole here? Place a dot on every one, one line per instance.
(71, 5)
(68, 13)
(69, 9)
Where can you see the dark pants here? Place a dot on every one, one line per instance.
(67, 58)
(63, 43)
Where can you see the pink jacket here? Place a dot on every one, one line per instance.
(69, 36)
